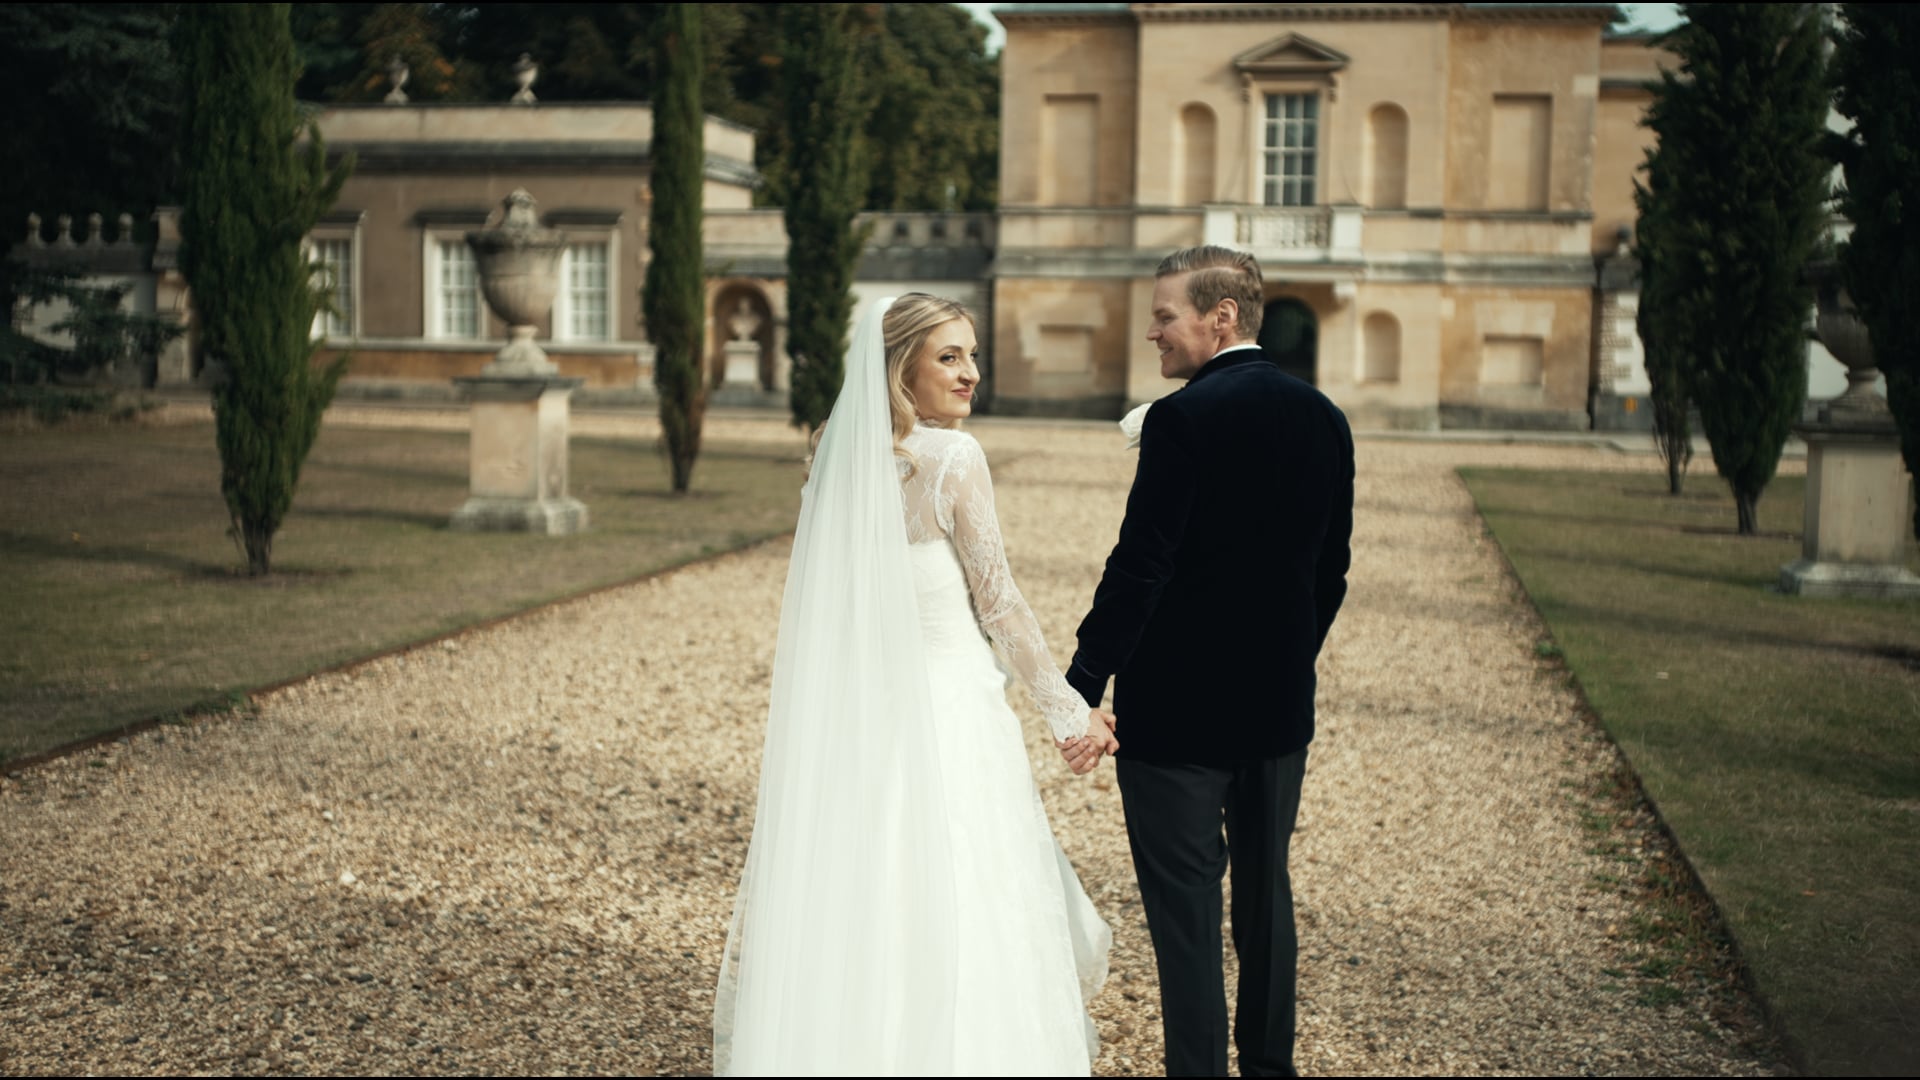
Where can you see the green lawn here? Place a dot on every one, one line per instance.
(1778, 736)
(124, 597)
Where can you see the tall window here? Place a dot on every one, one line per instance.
(588, 293)
(457, 288)
(1292, 149)
(334, 262)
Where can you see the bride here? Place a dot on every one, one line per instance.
(904, 906)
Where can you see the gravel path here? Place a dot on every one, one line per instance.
(515, 852)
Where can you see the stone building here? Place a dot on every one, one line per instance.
(405, 289)
(1439, 195)
(408, 300)
(1430, 189)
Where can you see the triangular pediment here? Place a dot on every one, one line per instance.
(1290, 54)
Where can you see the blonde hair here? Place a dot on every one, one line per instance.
(903, 333)
(1220, 273)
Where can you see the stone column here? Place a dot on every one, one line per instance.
(1858, 509)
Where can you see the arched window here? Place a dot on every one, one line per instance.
(1387, 157)
(1193, 147)
(1380, 338)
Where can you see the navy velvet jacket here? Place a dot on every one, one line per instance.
(1230, 567)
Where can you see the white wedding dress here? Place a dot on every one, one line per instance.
(904, 908)
(1032, 949)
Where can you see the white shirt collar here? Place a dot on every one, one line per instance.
(1230, 348)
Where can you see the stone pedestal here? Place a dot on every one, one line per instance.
(743, 364)
(1858, 512)
(519, 457)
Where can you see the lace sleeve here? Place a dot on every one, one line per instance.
(966, 504)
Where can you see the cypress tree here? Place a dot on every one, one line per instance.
(674, 297)
(1666, 367)
(252, 193)
(821, 114)
(1740, 125)
(1876, 64)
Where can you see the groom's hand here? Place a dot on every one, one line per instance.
(1101, 727)
(1083, 754)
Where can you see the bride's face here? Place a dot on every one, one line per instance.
(943, 377)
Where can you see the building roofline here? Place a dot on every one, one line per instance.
(401, 156)
(451, 106)
(1061, 14)
(1066, 14)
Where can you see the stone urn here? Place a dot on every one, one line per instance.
(519, 453)
(519, 267)
(1855, 540)
(1841, 329)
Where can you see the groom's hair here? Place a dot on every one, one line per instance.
(1220, 273)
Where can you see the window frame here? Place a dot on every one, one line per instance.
(310, 250)
(1315, 151)
(563, 306)
(432, 261)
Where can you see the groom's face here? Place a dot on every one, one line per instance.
(1186, 338)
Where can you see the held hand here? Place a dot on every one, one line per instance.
(1101, 727)
(1083, 754)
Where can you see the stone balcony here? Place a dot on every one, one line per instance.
(1288, 234)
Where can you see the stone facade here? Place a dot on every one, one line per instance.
(1430, 189)
(1440, 217)
(426, 174)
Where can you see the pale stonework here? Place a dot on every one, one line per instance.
(1472, 163)
(1858, 517)
(519, 458)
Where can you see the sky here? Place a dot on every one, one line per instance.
(1641, 16)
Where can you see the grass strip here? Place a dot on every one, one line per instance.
(125, 599)
(1778, 736)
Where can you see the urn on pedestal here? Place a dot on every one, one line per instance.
(519, 453)
(1855, 537)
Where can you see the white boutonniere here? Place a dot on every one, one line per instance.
(1131, 424)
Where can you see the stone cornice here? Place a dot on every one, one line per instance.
(384, 156)
(1603, 14)
(316, 108)
(1065, 15)
(1289, 12)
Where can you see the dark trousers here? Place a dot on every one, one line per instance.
(1174, 819)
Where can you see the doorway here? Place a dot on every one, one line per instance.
(1290, 335)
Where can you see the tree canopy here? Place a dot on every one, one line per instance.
(1876, 65)
(252, 193)
(1740, 186)
(674, 297)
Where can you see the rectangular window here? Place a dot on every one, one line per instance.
(588, 293)
(1065, 350)
(1292, 158)
(1521, 154)
(1069, 150)
(458, 287)
(333, 261)
(1512, 361)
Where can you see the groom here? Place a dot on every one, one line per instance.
(1231, 564)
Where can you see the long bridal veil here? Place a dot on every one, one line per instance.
(841, 956)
